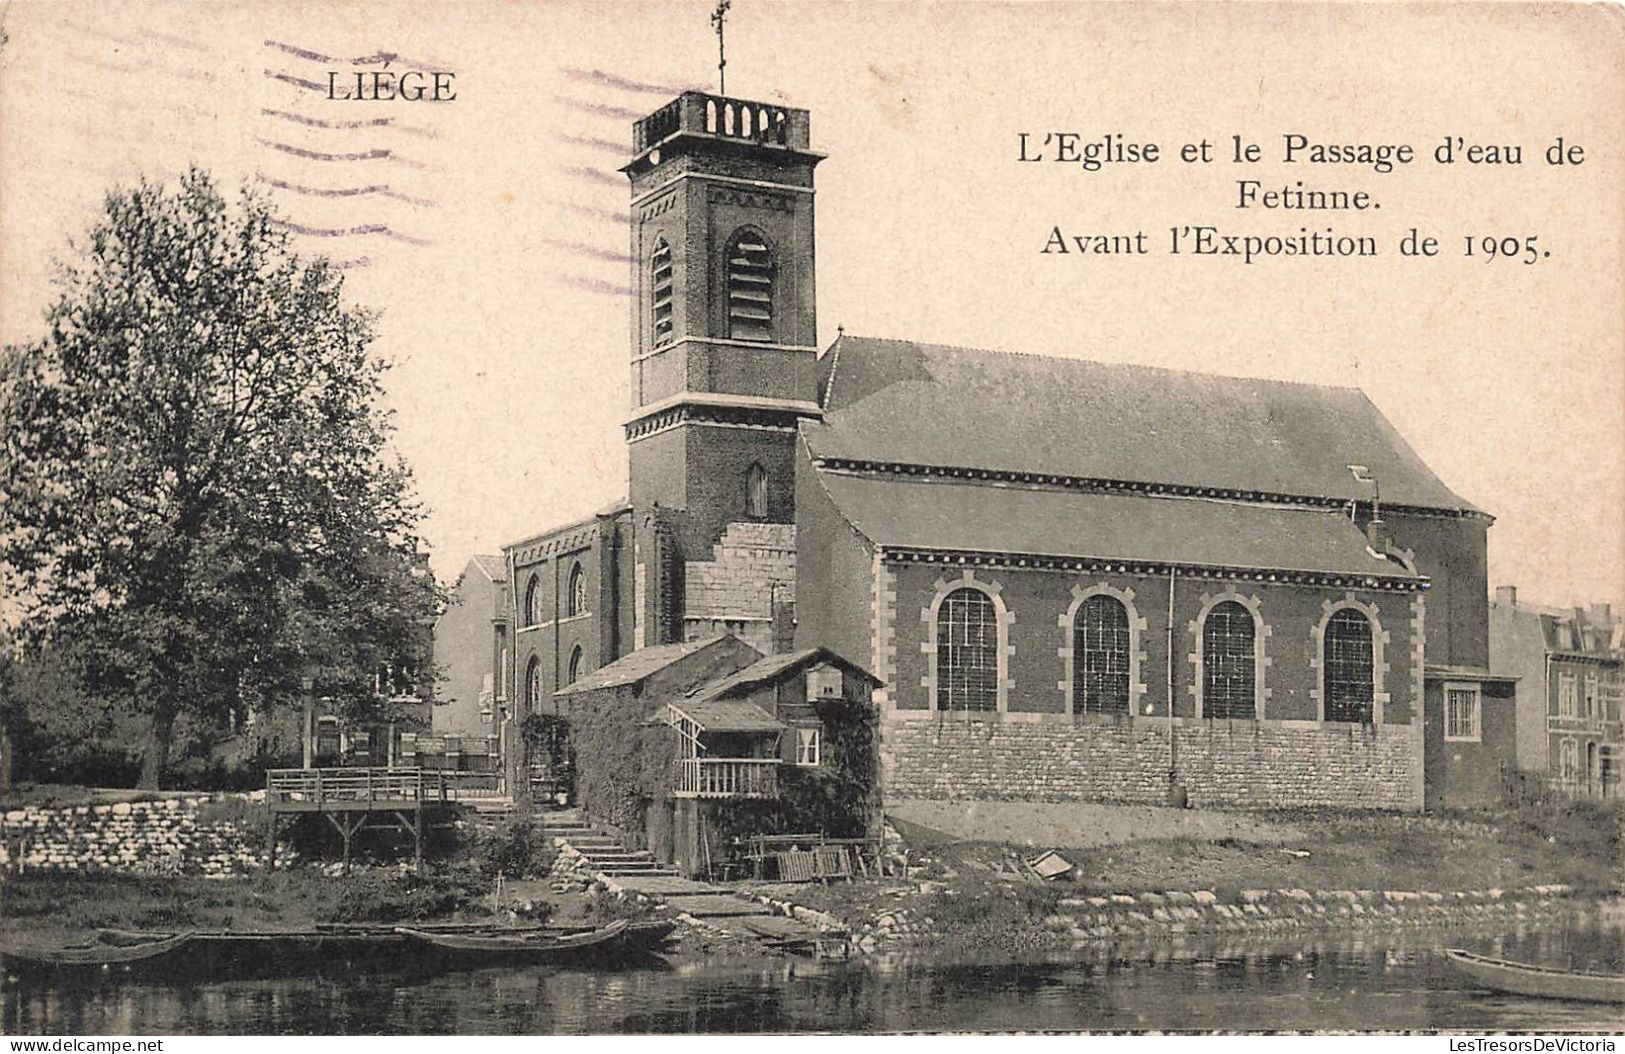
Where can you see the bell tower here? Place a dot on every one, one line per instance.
(724, 336)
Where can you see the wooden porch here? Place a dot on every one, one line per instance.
(727, 778)
(354, 798)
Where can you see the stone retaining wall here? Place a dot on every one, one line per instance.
(1251, 763)
(166, 836)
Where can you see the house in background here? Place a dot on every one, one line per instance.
(1571, 667)
(467, 651)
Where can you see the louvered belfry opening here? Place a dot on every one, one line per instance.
(750, 287)
(1228, 662)
(1100, 657)
(1349, 667)
(660, 298)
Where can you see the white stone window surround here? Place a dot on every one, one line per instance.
(1567, 694)
(1261, 659)
(1003, 649)
(1476, 715)
(1380, 640)
(1136, 632)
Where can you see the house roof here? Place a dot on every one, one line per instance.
(900, 402)
(727, 715)
(493, 567)
(640, 665)
(923, 513)
(776, 667)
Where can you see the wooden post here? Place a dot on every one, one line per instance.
(270, 841)
(417, 838)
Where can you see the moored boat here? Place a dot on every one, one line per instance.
(1504, 975)
(481, 949)
(144, 955)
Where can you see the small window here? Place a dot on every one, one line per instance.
(578, 591)
(533, 598)
(750, 287)
(808, 742)
(756, 492)
(1592, 689)
(1229, 665)
(574, 670)
(967, 651)
(1461, 713)
(533, 684)
(660, 294)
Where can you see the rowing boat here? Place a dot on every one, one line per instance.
(1525, 979)
(479, 949)
(97, 956)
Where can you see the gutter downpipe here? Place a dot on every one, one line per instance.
(1176, 793)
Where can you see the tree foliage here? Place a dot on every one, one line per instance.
(196, 488)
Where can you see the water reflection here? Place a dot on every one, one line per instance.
(1326, 981)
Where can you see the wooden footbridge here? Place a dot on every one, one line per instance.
(353, 798)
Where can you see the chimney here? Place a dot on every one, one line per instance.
(1376, 533)
(1506, 595)
(1602, 615)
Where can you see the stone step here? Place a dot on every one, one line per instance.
(716, 907)
(647, 872)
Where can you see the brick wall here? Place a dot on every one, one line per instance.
(1260, 764)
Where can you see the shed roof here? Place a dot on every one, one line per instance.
(727, 715)
(493, 567)
(922, 513)
(901, 402)
(777, 667)
(642, 664)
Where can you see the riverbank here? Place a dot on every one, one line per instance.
(1322, 868)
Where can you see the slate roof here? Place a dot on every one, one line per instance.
(901, 402)
(639, 665)
(493, 567)
(933, 514)
(727, 715)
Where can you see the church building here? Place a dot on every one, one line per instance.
(1073, 580)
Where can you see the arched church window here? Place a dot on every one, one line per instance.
(967, 651)
(1100, 657)
(1347, 660)
(533, 596)
(573, 671)
(533, 684)
(756, 492)
(660, 294)
(1228, 662)
(750, 287)
(578, 591)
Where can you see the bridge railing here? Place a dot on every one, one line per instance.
(349, 785)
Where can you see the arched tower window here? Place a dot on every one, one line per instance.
(578, 591)
(533, 684)
(660, 294)
(533, 596)
(750, 287)
(967, 651)
(1228, 662)
(756, 491)
(1347, 660)
(573, 671)
(1100, 657)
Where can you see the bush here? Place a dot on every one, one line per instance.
(512, 851)
(388, 896)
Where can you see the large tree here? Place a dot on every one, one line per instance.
(197, 492)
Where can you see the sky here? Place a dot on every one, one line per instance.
(489, 230)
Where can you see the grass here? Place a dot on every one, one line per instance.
(1574, 843)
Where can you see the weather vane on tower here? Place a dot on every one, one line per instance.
(719, 19)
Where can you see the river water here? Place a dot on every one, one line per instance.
(1329, 982)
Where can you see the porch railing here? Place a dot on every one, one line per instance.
(727, 777)
(319, 786)
(1586, 788)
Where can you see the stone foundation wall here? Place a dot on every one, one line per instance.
(175, 836)
(1259, 764)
